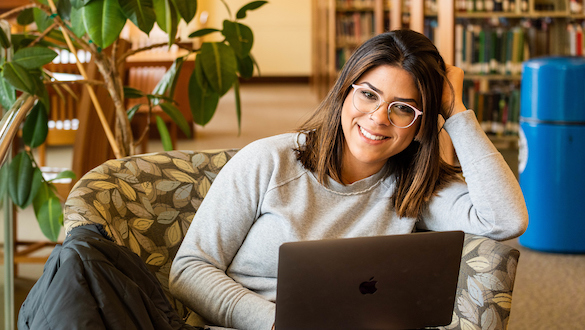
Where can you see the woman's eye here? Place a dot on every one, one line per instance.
(369, 95)
(403, 108)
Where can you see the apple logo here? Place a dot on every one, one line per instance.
(369, 286)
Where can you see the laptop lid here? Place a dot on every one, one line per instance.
(382, 282)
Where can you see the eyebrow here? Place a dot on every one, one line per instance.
(382, 93)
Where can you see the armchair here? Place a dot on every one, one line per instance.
(146, 203)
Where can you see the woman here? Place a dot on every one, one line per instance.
(367, 163)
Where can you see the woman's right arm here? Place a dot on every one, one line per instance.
(198, 274)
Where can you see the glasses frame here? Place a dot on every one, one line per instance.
(417, 112)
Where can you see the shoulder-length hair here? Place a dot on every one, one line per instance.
(420, 172)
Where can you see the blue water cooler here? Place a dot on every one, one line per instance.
(552, 153)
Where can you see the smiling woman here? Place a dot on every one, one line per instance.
(349, 171)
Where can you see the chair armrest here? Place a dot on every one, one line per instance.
(486, 282)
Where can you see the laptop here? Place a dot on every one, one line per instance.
(383, 282)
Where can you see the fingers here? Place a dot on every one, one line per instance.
(454, 96)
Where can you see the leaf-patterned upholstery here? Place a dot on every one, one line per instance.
(146, 202)
(486, 281)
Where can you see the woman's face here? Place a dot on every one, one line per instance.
(370, 138)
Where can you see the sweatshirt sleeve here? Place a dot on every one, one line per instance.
(198, 274)
(490, 202)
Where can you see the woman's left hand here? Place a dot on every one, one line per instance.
(455, 96)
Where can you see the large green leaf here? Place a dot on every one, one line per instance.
(250, 6)
(187, 9)
(19, 77)
(40, 89)
(165, 137)
(67, 174)
(246, 67)
(36, 183)
(26, 17)
(132, 111)
(20, 179)
(77, 24)
(77, 3)
(202, 99)
(140, 12)
(36, 127)
(43, 194)
(64, 9)
(4, 39)
(177, 117)
(203, 32)
(132, 93)
(49, 218)
(166, 18)
(41, 18)
(219, 65)
(104, 20)
(169, 80)
(7, 94)
(34, 57)
(239, 36)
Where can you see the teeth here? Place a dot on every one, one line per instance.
(370, 136)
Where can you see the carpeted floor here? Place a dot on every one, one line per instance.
(549, 292)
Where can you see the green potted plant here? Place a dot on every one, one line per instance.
(94, 26)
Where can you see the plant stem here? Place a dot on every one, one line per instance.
(44, 34)
(228, 8)
(72, 82)
(92, 95)
(139, 50)
(17, 10)
(122, 131)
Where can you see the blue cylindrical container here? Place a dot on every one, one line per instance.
(552, 153)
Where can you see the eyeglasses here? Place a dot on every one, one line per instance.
(400, 114)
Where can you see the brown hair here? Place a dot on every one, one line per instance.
(419, 169)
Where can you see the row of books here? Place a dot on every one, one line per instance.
(354, 28)
(505, 6)
(497, 110)
(354, 4)
(490, 50)
(576, 44)
(546, 36)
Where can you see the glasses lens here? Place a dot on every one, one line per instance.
(401, 114)
(365, 100)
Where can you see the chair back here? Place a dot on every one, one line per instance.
(146, 203)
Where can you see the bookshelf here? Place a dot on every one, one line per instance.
(544, 27)
(536, 27)
(340, 26)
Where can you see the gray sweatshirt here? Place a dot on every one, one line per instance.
(226, 267)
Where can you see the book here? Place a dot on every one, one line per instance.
(490, 50)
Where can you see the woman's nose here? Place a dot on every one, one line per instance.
(380, 116)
